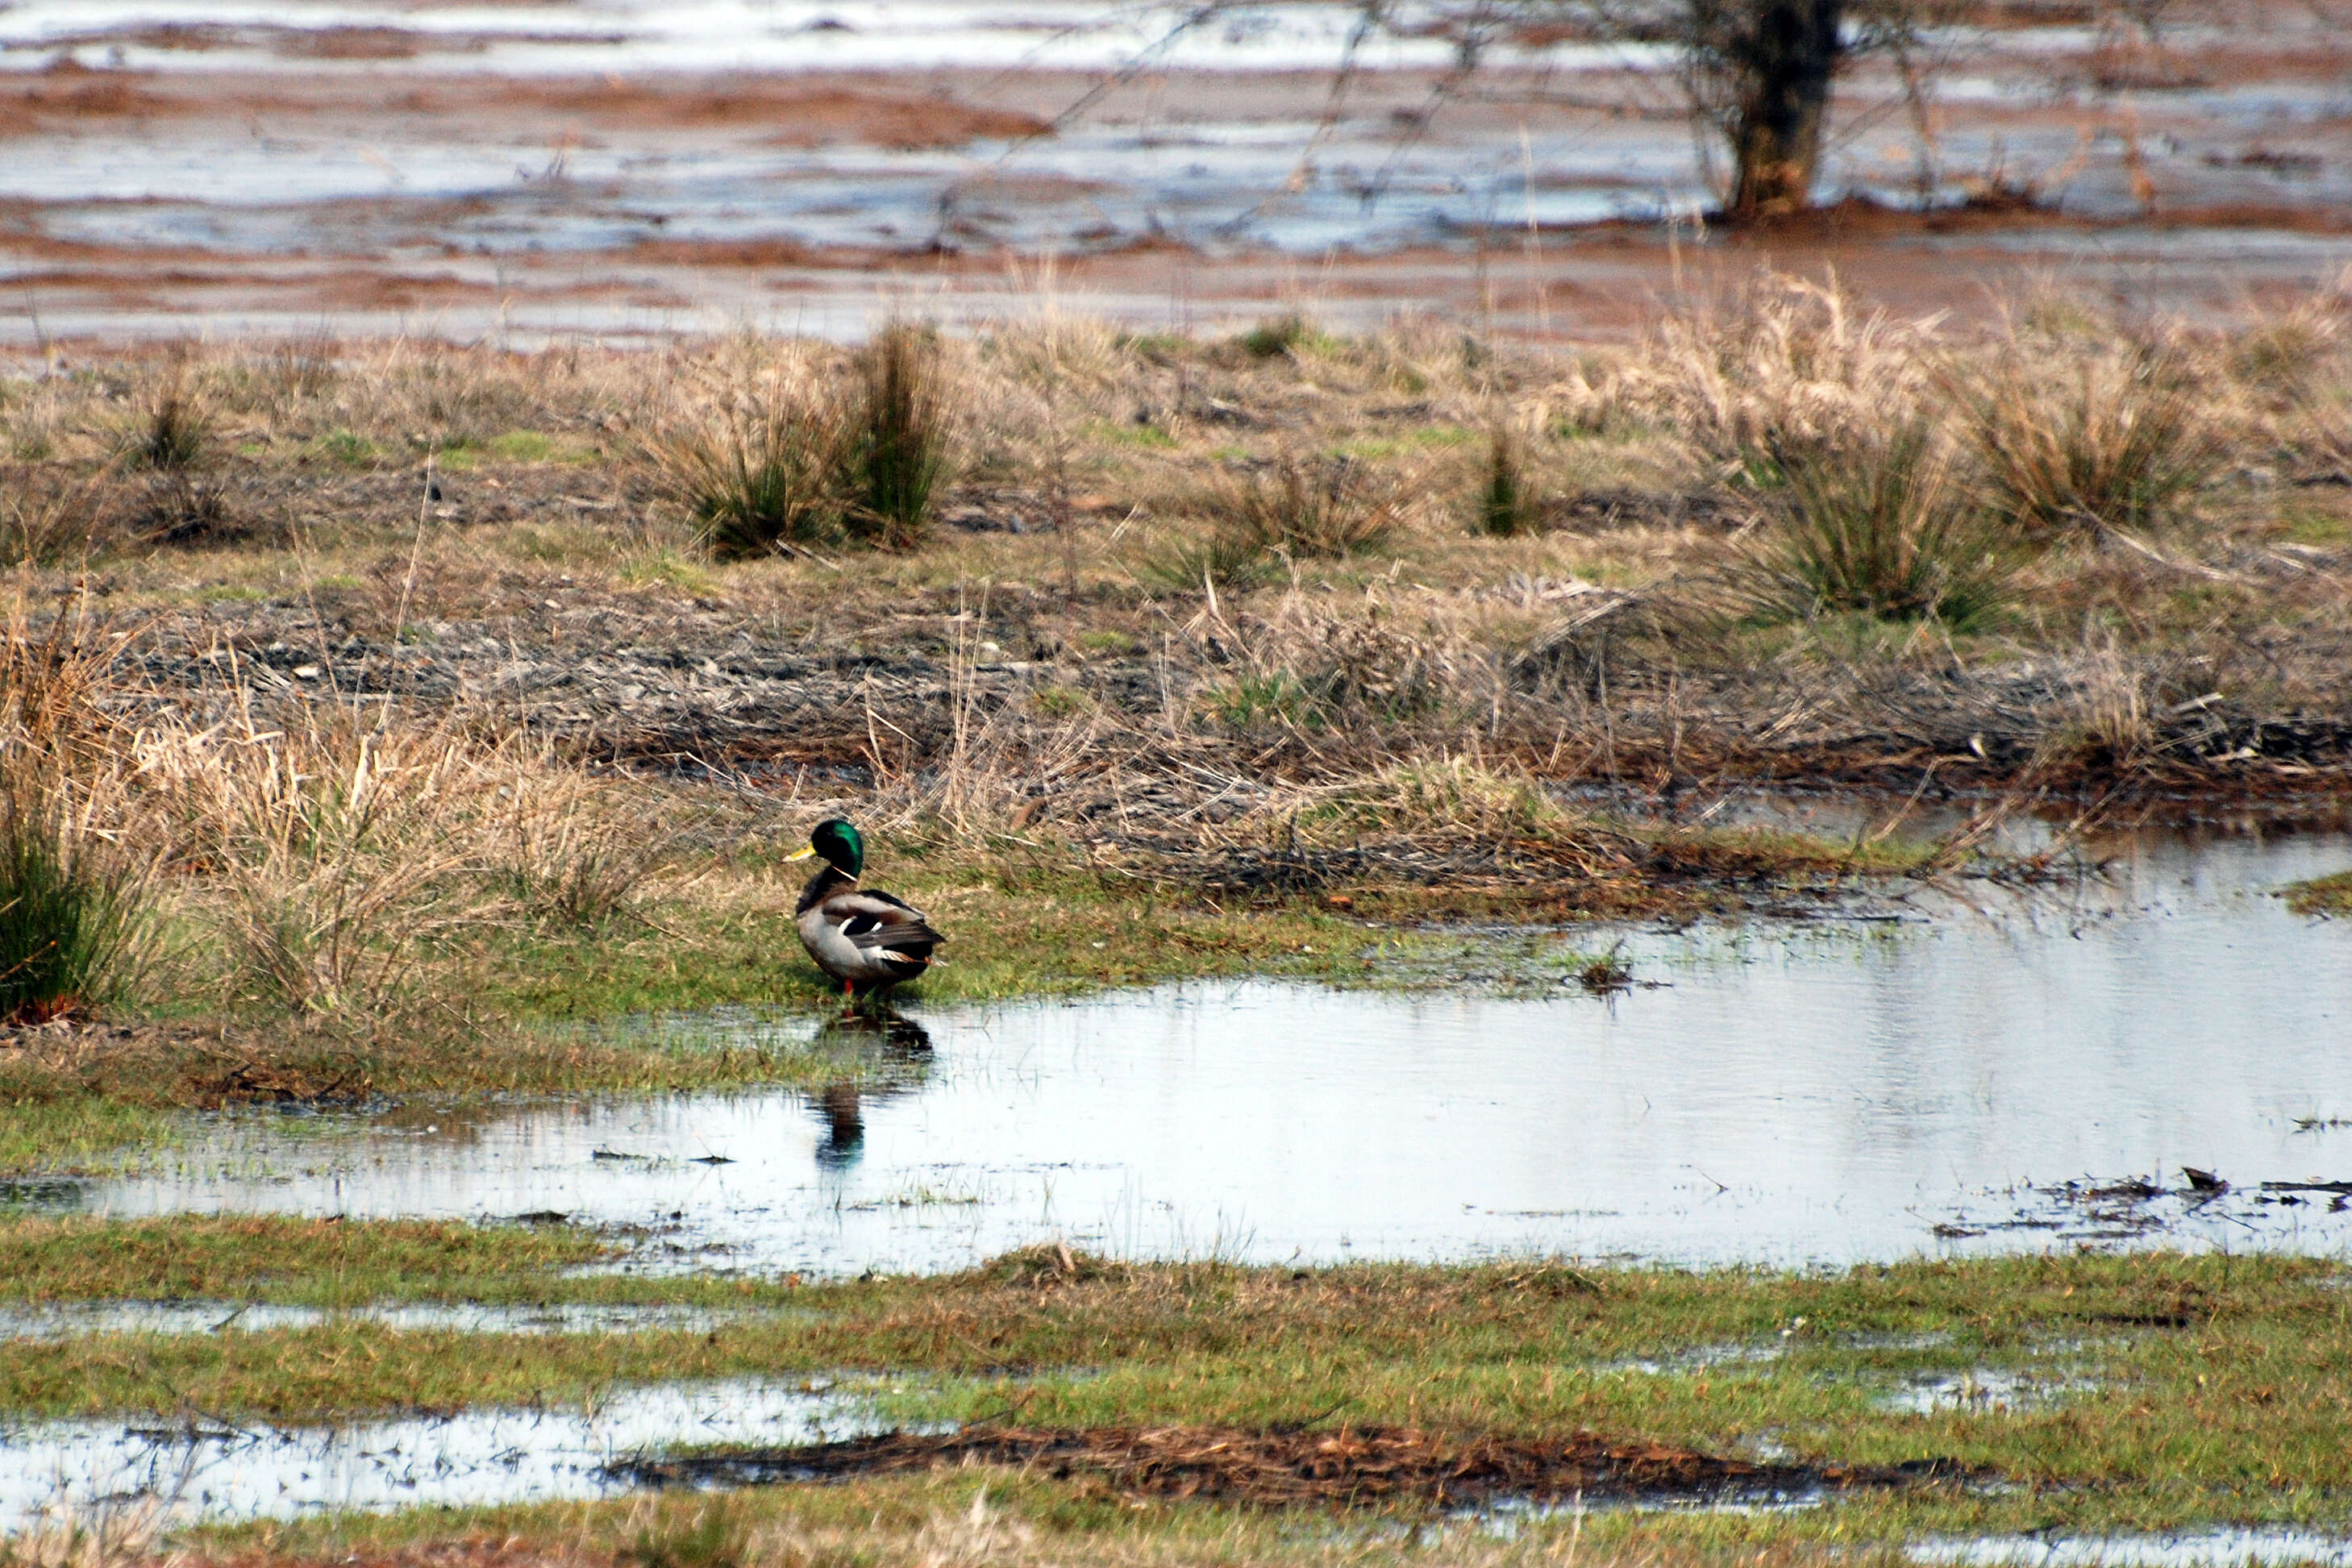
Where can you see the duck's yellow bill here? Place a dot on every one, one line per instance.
(808, 853)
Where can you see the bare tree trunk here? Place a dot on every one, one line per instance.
(1774, 61)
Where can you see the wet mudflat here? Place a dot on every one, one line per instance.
(632, 169)
(2043, 1073)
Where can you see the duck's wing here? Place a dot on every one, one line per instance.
(881, 925)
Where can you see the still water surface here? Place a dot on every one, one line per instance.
(1794, 1094)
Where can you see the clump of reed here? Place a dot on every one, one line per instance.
(45, 519)
(76, 912)
(2108, 440)
(1294, 508)
(770, 458)
(751, 461)
(336, 858)
(1325, 508)
(1883, 526)
(568, 862)
(709, 1537)
(1278, 336)
(1506, 503)
(894, 449)
(170, 426)
(1788, 368)
(328, 855)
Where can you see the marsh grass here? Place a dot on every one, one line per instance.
(74, 921)
(1278, 336)
(44, 522)
(2098, 439)
(1506, 501)
(181, 508)
(105, 1533)
(1187, 561)
(336, 853)
(1783, 370)
(1883, 526)
(2183, 1376)
(752, 458)
(895, 439)
(1304, 509)
(170, 426)
(2320, 895)
(710, 1537)
(318, 1262)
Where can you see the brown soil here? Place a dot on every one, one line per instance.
(807, 116)
(1368, 1467)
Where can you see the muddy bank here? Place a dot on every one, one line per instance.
(1372, 1467)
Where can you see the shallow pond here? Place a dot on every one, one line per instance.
(220, 1471)
(1795, 1093)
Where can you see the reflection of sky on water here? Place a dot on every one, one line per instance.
(226, 1471)
(745, 34)
(1784, 1098)
(1197, 183)
(1212, 182)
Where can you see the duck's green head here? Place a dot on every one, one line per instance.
(837, 839)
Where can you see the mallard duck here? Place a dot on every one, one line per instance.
(864, 938)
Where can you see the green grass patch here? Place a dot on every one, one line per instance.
(350, 449)
(1151, 437)
(1418, 438)
(538, 446)
(288, 1260)
(2320, 895)
(78, 1133)
(2182, 1390)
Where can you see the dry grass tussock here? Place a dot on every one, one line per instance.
(1787, 369)
(313, 861)
(773, 449)
(337, 856)
(2087, 439)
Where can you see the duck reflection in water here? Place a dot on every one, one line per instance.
(905, 1049)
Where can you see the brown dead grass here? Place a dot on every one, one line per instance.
(1347, 1468)
(1051, 681)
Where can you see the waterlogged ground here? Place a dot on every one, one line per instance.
(2040, 1073)
(220, 1469)
(638, 168)
(1922, 1085)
